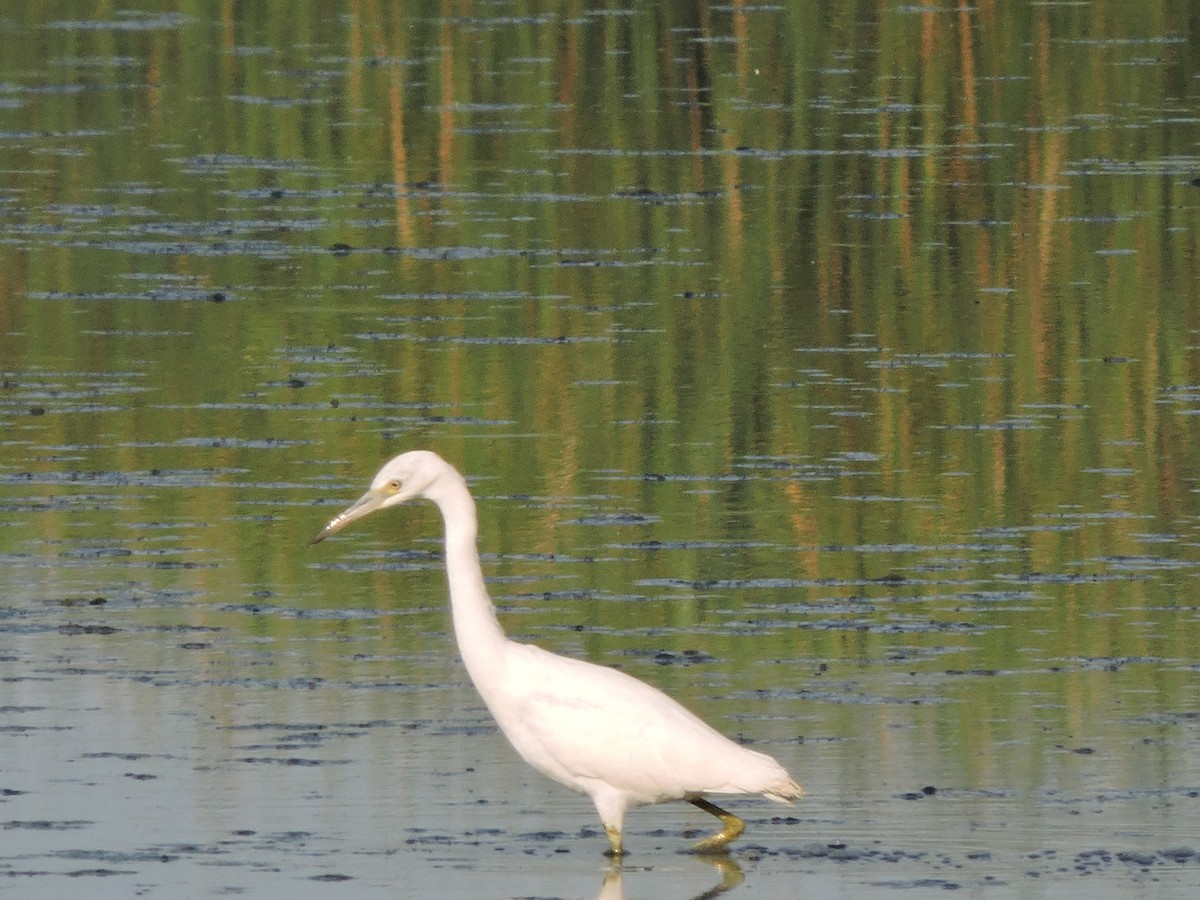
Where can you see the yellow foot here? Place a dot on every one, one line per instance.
(718, 843)
(615, 850)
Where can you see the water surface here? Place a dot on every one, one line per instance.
(833, 370)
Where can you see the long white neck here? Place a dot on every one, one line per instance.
(480, 638)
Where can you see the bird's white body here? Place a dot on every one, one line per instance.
(616, 739)
(594, 729)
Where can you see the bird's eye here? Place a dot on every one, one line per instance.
(393, 486)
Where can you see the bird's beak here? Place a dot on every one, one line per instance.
(363, 506)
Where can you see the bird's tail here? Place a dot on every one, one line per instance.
(785, 791)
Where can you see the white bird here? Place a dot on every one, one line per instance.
(594, 729)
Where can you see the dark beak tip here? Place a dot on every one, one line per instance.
(320, 535)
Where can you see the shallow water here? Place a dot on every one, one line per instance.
(834, 371)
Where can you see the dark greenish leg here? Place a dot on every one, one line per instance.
(718, 843)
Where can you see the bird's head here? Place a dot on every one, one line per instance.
(408, 476)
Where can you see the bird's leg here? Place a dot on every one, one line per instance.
(718, 842)
(616, 851)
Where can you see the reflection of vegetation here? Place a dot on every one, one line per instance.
(989, 268)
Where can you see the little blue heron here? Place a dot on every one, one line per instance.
(594, 729)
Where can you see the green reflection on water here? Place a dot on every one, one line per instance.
(859, 338)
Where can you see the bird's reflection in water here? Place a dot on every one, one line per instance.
(730, 872)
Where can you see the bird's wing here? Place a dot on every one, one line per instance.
(581, 723)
